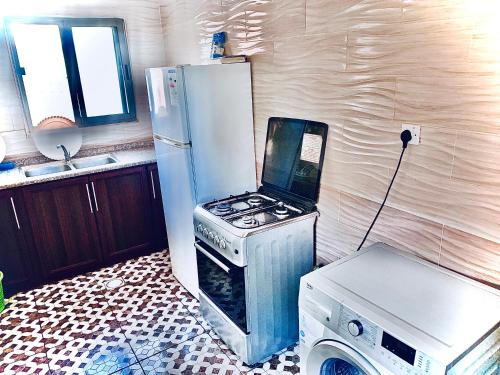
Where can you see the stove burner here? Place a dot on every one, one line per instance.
(281, 210)
(248, 220)
(255, 201)
(223, 208)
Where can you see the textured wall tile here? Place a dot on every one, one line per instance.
(476, 159)
(328, 223)
(369, 149)
(261, 55)
(319, 97)
(267, 20)
(396, 228)
(336, 240)
(469, 207)
(460, 102)
(185, 49)
(443, 10)
(18, 141)
(316, 54)
(432, 159)
(470, 255)
(411, 48)
(342, 15)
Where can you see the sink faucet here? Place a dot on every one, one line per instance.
(67, 156)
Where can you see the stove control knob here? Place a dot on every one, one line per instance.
(199, 228)
(355, 328)
(211, 236)
(217, 240)
(205, 232)
(222, 244)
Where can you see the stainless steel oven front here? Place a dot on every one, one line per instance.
(223, 283)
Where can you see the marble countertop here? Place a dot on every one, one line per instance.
(127, 158)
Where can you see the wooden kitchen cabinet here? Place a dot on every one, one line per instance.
(123, 213)
(159, 227)
(64, 228)
(16, 262)
(75, 225)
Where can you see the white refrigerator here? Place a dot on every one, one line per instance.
(204, 141)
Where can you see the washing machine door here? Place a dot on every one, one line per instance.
(330, 357)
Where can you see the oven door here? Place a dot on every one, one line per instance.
(223, 283)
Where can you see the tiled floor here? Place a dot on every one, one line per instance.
(131, 318)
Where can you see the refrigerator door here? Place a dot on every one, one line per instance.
(174, 166)
(219, 102)
(167, 103)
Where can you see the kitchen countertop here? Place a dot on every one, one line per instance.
(126, 158)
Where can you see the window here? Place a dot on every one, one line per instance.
(77, 68)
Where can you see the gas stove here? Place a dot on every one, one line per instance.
(253, 248)
(252, 210)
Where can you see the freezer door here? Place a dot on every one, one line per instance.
(167, 103)
(219, 102)
(174, 167)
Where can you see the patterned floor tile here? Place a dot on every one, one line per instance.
(20, 334)
(96, 355)
(256, 368)
(193, 306)
(286, 362)
(35, 364)
(161, 330)
(81, 326)
(200, 355)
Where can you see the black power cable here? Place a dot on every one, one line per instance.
(405, 138)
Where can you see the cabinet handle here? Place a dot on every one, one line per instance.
(95, 197)
(88, 196)
(15, 212)
(152, 184)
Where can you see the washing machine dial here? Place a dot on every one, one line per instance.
(355, 328)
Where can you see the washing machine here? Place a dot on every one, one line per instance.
(384, 312)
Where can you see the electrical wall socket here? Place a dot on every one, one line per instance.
(415, 133)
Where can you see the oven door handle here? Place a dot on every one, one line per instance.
(225, 268)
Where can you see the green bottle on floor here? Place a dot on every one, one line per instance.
(2, 301)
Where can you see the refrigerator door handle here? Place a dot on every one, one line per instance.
(172, 142)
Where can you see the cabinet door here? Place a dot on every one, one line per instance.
(123, 212)
(159, 227)
(64, 227)
(16, 262)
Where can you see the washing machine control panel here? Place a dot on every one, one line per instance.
(384, 347)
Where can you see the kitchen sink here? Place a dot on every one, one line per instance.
(93, 162)
(46, 169)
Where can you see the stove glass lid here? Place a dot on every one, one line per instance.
(294, 156)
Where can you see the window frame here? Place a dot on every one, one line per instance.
(65, 25)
